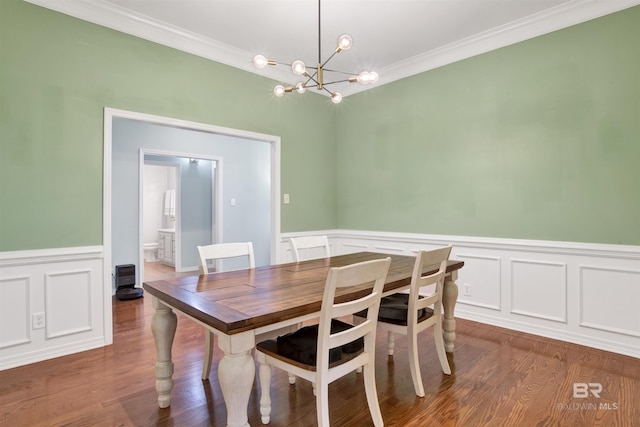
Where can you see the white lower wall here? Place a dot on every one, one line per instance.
(67, 287)
(586, 294)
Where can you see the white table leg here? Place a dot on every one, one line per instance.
(163, 326)
(236, 372)
(265, 389)
(449, 298)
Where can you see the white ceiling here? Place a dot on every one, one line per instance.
(396, 38)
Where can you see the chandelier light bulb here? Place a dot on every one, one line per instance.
(300, 88)
(344, 42)
(298, 67)
(278, 91)
(260, 61)
(336, 98)
(363, 77)
(367, 77)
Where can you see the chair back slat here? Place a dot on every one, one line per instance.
(350, 335)
(347, 308)
(427, 301)
(302, 244)
(224, 251)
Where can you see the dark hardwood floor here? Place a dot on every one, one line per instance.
(500, 378)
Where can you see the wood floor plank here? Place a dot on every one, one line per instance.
(499, 378)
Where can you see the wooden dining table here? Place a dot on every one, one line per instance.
(239, 305)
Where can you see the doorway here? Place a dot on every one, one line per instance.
(159, 213)
(180, 208)
(128, 175)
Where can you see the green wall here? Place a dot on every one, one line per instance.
(539, 140)
(57, 74)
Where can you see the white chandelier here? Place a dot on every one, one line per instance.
(316, 78)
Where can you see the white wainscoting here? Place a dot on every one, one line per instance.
(583, 293)
(67, 286)
(587, 294)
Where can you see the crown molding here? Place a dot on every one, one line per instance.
(120, 19)
(554, 19)
(123, 20)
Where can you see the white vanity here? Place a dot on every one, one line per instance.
(166, 246)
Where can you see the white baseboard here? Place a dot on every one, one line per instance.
(581, 339)
(51, 352)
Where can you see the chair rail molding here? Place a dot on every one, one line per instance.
(583, 293)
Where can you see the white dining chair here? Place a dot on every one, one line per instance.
(214, 253)
(409, 314)
(309, 244)
(221, 251)
(331, 349)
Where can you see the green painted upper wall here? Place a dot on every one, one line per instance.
(539, 140)
(57, 74)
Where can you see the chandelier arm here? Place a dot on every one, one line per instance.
(337, 81)
(327, 90)
(341, 72)
(328, 59)
(311, 79)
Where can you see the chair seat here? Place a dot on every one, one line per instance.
(301, 346)
(395, 308)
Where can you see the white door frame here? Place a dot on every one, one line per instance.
(109, 115)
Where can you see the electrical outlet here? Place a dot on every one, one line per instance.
(467, 290)
(38, 320)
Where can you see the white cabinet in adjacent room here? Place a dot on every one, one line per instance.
(166, 246)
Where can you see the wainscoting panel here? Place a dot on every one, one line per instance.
(479, 281)
(539, 289)
(349, 248)
(15, 322)
(398, 250)
(583, 293)
(62, 288)
(65, 288)
(610, 299)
